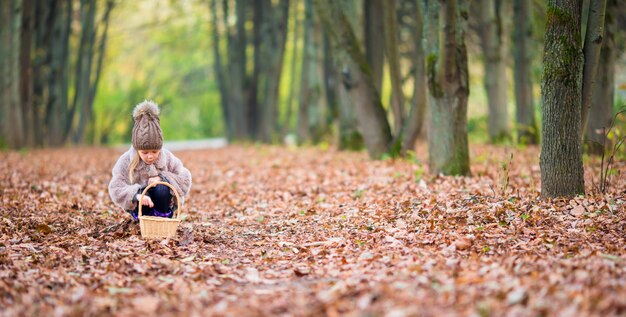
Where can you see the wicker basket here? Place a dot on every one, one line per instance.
(159, 227)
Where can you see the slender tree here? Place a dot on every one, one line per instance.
(495, 80)
(87, 118)
(415, 120)
(604, 91)
(58, 118)
(276, 18)
(26, 71)
(293, 87)
(393, 60)
(591, 52)
(527, 132)
(448, 86)
(374, 38)
(358, 76)
(10, 107)
(84, 66)
(349, 136)
(307, 76)
(218, 67)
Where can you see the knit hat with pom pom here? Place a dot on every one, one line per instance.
(147, 134)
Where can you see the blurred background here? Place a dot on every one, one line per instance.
(250, 71)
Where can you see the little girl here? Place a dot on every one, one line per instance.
(145, 163)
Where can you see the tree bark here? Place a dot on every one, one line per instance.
(561, 152)
(370, 113)
(374, 39)
(591, 52)
(96, 78)
(393, 60)
(237, 69)
(492, 40)
(84, 67)
(349, 136)
(218, 67)
(293, 87)
(527, 132)
(604, 91)
(415, 121)
(449, 88)
(10, 38)
(58, 114)
(303, 130)
(26, 71)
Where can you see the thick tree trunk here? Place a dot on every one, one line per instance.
(374, 39)
(591, 52)
(561, 151)
(449, 88)
(527, 132)
(393, 59)
(492, 40)
(370, 113)
(415, 121)
(604, 91)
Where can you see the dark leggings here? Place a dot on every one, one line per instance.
(161, 197)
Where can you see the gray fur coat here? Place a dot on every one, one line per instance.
(167, 166)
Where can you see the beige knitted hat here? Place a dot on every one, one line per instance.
(147, 134)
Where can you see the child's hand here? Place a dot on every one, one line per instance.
(154, 179)
(146, 201)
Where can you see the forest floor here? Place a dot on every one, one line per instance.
(280, 231)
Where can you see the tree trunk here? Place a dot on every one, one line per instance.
(293, 87)
(522, 54)
(414, 124)
(449, 88)
(374, 39)
(218, 67)
(101, 50)
(10, 37)
(561, 151)
(393, 59)
(492, 38)
(604, 90)
(83, 66)
(308, 71)
(349, 136)
(26, 71)
(276, 21)
(591, 52)
(236, 65)
(58, 114)
(370, 113)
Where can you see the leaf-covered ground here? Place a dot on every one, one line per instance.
(278, 231)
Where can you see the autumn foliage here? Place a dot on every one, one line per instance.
(278, 231)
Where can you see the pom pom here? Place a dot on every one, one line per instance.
(146, 107)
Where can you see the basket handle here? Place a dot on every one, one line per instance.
(161, 183)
